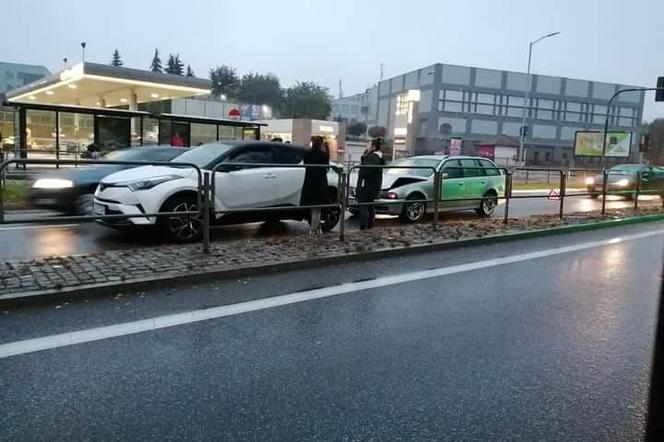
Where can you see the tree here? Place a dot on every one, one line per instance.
(260, 89)
(224, 81)
(116, 60)
(356, 128)
(307, 100)
(174, 66)
(155, 66)
(179, 65)
(190, 71)
(170, 64)
(377, 132)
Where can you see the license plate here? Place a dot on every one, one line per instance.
(99, 209)
(46, 201)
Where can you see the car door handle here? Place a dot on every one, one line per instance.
(270, 176)
(459, 184)
(482, 182)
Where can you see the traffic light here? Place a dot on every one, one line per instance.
(645, 143)
(659, 93)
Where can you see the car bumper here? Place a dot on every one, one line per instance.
(381, 206)
(122, 201)
(611, 188)
(53, 199)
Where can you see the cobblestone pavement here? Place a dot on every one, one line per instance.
(57, 272)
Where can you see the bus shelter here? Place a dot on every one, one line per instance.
(111, 107)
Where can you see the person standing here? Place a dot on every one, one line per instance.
(369, 182)
(314, 188)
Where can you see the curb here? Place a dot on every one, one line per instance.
(170, 279)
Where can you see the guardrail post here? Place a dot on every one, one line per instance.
(563, 190)
(638, 190)
(2, 192)
(508, 195)
(437, 183)
(206, 213)
(343, 200)
(605, 182)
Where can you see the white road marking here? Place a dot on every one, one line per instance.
(159, 322)
(38, 226)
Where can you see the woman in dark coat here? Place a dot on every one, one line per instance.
(369, 182)
(314, 189)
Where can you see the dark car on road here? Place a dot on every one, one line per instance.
(622, 180)
(72, 190)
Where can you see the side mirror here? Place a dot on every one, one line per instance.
(445, 175)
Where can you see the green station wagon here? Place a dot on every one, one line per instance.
(463, 177)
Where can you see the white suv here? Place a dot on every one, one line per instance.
(155, 189)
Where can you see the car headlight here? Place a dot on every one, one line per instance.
(149, 183)
(622, 183)
(590, 181)
(52, 183)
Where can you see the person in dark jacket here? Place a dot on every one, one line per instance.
(314, 188)
(369, 182)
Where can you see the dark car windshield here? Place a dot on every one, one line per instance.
(124, 155)
(419, 162)
(203, 156)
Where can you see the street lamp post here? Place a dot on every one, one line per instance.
(526, 104)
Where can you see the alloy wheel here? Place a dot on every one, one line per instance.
(414, 211)
(185, 227)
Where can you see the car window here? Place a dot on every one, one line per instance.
(288, 155)
(471, 168)
(452, 168)
(489, 168)
(251, 154)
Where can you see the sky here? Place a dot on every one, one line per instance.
(327, 40)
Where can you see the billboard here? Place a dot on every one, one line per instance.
(455, 146)
(589, 144)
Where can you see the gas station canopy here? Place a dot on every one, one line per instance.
(99, 85)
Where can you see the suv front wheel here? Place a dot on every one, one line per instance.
(413, 212)
(181, 228)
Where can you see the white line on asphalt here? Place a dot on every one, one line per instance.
(38, 226)
(144, 325)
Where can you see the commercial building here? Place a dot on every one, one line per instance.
(423, 109)
(351, 109)
(15, 75)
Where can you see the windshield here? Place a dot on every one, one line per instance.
(203, 156)
(419, 162)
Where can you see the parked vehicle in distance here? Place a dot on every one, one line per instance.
(462, 177)
(71, 190)
(153, 189)
(622, 180)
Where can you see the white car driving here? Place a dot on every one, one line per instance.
(161, 189)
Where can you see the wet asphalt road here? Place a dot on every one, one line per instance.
(25, 241)
(552, 348)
